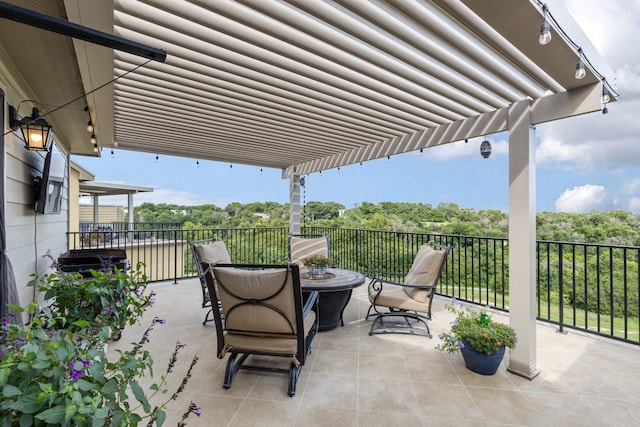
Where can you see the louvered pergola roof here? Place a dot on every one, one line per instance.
(309, 85)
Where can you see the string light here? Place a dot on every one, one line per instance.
(112, 154)
(197, 163)
(93, 139)
(89, 126)
(545, 29)
(157, 157)
(95, 148)
(580, 71)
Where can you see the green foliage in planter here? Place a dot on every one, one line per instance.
(109, 298)
(70, 381)
(478, 328)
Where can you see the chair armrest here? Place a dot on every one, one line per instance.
(404, 285)
(313, 296)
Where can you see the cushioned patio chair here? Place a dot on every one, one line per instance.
(264, 315)
(406, 307)
(301, 247)
(213, 251)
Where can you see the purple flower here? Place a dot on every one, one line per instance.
(461, 344)
(5, 322)
(2, 350)
(161, 321)
(441, 336)
(84, 362)
(75, 373)
(21, 340)
(181, 345)
(194, 409)
(110, 310)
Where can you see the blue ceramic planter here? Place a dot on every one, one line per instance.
(481, 363)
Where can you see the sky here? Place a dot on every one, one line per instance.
(583, 164)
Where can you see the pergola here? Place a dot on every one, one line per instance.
(308, 85)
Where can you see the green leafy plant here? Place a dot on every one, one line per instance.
(478, 329)
(319, 260)
(110, 298)
(70, 381)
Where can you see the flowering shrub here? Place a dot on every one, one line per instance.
(70, 381)
(478, 329)
(109, 298)
(319, 260)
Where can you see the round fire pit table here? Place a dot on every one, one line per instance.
(334, 290)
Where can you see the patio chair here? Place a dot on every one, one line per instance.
(406, 307)
(301, 247)
(213, 251)
(263, 315)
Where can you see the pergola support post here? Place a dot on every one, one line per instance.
(522, 239)
(294, 204)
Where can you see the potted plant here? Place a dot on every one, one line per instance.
(317, 265)
(478, 337)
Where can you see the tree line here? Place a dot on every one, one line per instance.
(610, 228)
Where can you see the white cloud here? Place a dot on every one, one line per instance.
(586, 198)
(632, 186)
(634, 204)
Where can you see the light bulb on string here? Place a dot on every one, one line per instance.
(580, 70)
(112, 154)
(157, 157)
(197, 163)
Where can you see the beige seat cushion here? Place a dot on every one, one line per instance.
(276, 345)
(214, 253)
(395, 296)
(424, 271)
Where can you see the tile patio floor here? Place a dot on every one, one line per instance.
(352, 379)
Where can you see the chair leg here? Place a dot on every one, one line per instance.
(207, 318)
(233, 367)
(294, 373)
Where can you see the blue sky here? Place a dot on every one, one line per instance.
(583, 164)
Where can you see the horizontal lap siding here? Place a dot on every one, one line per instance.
(30, 235)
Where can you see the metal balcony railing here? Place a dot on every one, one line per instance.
(589, 287)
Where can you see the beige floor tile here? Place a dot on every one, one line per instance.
(325, 416)
(445, 401)
(384, 395)
(335, 362)
(386, 419)
(506, 407)
(338, 391)
(266, 413)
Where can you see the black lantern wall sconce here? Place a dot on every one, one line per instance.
(36, 132)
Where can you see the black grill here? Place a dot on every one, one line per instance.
(84, 260)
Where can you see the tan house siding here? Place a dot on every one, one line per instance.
(106, 214)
